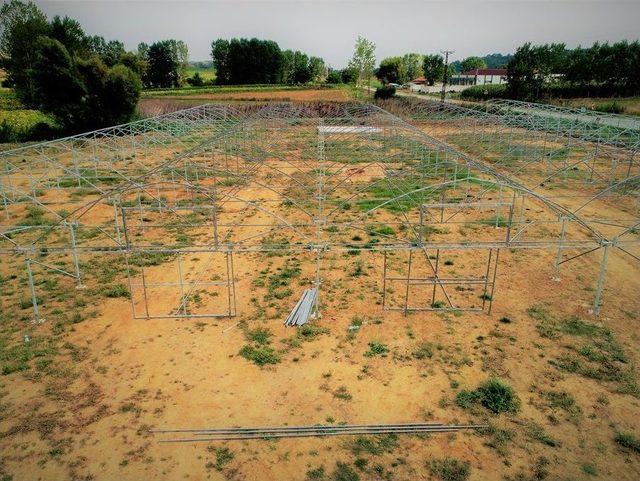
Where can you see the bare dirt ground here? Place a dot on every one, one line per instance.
(84, 406)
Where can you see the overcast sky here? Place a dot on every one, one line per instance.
(328, 28)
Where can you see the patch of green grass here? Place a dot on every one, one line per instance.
(374, 445)
(259, 336)
(377, 349)
(590, 469)
(449, 469)
(493, 394)
(342, 393)
(423, 351)
(344, 472)
(628, 441)
(114, 291)
(261, 355)
(537, 433)
(316, 474)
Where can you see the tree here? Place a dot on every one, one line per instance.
(363, 61)
(220, 55)
(196, 80)
(433, 68)
(392, 70)
(69, 33)
(20, 24)
(334, 76)
(110, 52)
(81, 94)
(532, 66)
(472, 63)
(317, 69)
(301, 71)
(413, 63)
(163, 68)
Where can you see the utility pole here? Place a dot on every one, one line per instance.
(446, 72)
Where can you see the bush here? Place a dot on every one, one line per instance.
(628, 440)
(344, 472)
(610, 108)
(449, 469)
(484, 92)
(493, 394)
(260, 355)
(385, 92)
(196, 80)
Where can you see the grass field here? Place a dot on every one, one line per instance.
(207, 74)
(629, 105)
(18, 124)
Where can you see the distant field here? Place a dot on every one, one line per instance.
(207, 73)
(235, 89)
(630, 105)
(18, 124)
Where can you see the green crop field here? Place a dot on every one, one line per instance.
(207, 73)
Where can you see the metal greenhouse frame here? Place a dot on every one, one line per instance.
(217, 181)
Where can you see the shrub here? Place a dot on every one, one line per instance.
(116, 290)
(628, 440)
(376, 349)
(484, 92)
(260, 355)
(449, 469)
(385, 92)
(493, 394)
(423, 351)
(610, 108)
(259, 336)
(344, 472)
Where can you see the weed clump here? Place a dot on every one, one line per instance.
(493, 394)
(260, 355)
(377, 349)
(628, 440)
(450, 469)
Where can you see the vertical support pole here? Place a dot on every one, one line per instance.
(233, 284)
(384, 279)
(228, 259)
(600, 284)
(182, 297)
(133, 307)
(563, 230)
(5, 203)
(116, 222)
(34, 298)
(74, 253)
(435, 276)
(493, 282)
(421, 233)
(486, 279)
(144, 291)
(406, 293)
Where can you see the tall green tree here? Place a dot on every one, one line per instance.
(413, 63)
(532, 66)
(220, 56)
(472, 63)
(81, 94)
(363, 61)
(20, 24)
(163, 66)
(317, 69)
(433, 68)
(392, 70)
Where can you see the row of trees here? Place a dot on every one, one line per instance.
(403, 69)
(602, 69)
(84, 81)
(253, 61)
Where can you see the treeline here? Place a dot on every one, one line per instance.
(400, 70)
(252, 61)
(85, 82)
(602, 70)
